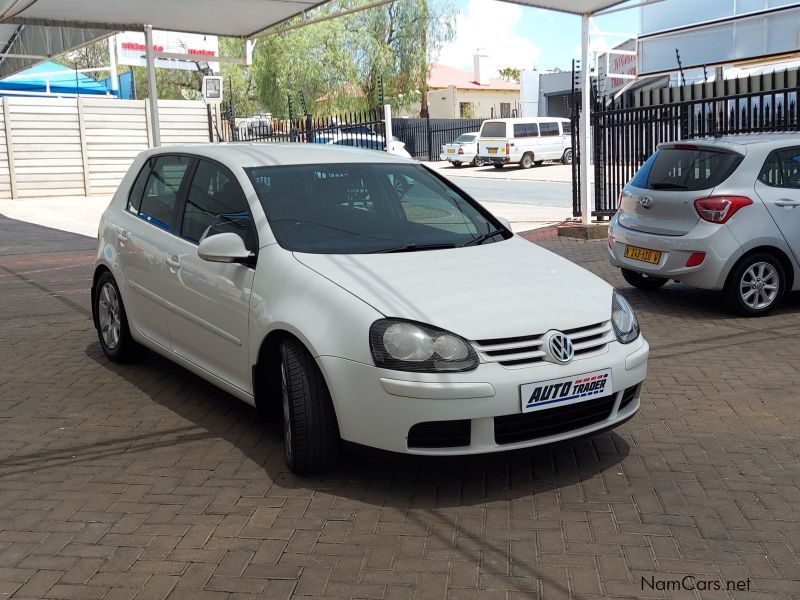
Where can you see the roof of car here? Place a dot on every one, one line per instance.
(776, 138)
(261, 154)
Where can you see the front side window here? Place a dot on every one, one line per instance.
(215, 204)
(566, 127)
(161, 190)
(782, 169)
(358, 208)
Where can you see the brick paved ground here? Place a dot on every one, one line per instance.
(145, 482)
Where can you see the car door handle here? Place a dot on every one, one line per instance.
(122, 237)
(174, 263)
(785, 202)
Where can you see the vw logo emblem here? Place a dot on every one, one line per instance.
(560, 348)
(646, 202)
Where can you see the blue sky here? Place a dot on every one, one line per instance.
(525, 37)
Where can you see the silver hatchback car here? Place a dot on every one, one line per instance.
(719, 214)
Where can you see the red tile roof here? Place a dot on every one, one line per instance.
(442, 76)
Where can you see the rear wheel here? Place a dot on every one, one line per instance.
(756, 285)
(567, 158)
(477, 162)
(538, 162)
(310, 432)
(526, 162)
(456, 164)
(497, 165)
(111, 322)
(642, 281)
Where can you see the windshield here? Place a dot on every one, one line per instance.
(357, 208)
(465, 139)
(495, 129)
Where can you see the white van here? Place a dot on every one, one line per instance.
(525, 141)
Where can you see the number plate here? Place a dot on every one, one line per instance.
(451, 151)
(492, 150)
(643, 254)
(567, 390)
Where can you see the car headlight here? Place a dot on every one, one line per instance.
(409, 346)
(626, 327)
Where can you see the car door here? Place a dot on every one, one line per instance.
(210, 323)
(143, 240)
(550, 140)
(778, 186)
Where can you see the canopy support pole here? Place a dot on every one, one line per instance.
(585, 122)
(152, 88)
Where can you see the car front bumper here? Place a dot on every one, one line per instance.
(720, 246)
(378, 407)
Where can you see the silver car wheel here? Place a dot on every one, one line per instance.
(759, 286)
(108, 315)
(287, 420)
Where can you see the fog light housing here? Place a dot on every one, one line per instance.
(696, 259)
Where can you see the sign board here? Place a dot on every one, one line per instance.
(617, 61)
(212, 89)
(715, 33)
(131, 49)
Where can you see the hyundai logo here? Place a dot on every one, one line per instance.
(646, 202)
(560, 348)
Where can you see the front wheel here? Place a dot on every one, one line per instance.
(111, 322)
(756, 285)
(567, 158)
(310, 430)
(642, 281)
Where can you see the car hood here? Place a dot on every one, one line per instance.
(504, 289)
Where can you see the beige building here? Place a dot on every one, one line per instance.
(455, 93)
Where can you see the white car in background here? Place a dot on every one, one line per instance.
(463, 150)
(719, 214)
(400, 316)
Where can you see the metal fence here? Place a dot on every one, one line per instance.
(623, 138)
(423, 138)
(362, 129)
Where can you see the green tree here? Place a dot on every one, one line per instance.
(339, 64)
(510, 74)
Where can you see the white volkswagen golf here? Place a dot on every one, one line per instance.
(364, 294)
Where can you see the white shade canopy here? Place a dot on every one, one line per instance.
(576, 7)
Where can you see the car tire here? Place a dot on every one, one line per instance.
(642, 281)
(111, 322)
(497, 165)
(311, 439)
(526, 162)
(567, 157)
(477, 162)
(456, 164)
(755, 285)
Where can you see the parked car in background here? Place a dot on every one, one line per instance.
(358, 140)
(463, 150)
(719, 214)
(525, 141)
(363, 296)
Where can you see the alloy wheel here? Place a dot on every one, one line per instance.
(108, 315)
(759, 285)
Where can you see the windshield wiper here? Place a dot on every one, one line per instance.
(413, 248)
(667, 185)
(484, 237)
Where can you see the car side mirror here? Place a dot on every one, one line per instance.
(505, 222)
(223, 248)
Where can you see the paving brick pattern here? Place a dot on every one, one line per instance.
(145, 482)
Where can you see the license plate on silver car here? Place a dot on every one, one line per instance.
(567, 390)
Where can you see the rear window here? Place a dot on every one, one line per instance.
(686, 169)
(495, 129)
(465, 139)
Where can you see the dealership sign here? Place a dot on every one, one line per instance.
(131, 49)
(618, 67)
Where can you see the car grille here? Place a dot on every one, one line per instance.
(518, 351)
(440, 434)
(523, 427)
